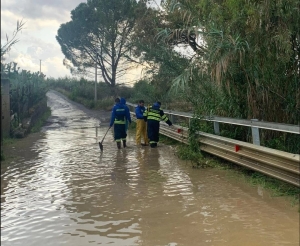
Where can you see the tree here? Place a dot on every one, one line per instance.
(100, 33)
(250, 55)
(163, 64)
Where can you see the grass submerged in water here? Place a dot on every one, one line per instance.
(277, 188)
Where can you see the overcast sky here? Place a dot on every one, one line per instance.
(37, 39)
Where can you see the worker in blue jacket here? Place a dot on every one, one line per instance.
(123, 101)
(141, 125)
(119, 115)
(153, 115)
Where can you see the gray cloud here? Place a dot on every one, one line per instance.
(42, 9)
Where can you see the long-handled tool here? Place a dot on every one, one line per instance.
(100, 143)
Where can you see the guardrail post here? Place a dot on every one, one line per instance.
(171, 118)
(216, 128)
(255, 134)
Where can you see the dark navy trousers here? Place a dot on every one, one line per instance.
(153, 131)
(119, 132)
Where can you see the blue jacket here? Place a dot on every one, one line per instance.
(119, 115)
(139, 112)
(123, 101)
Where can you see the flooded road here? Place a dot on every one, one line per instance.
(64, 192)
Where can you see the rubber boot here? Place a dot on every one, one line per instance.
(124, 143)
(119, 145)
(153, 145)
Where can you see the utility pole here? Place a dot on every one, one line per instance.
(40, 66)
(96, 78)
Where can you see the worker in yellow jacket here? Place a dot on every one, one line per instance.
(153, 116)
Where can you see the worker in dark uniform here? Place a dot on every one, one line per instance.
(123, 101)
(153, 115)
(119, 115)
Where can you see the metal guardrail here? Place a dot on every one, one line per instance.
(278, 164)
(241, 122)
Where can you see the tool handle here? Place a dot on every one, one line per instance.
(105, 135)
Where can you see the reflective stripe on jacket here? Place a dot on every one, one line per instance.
(118, 114)
(155, 113)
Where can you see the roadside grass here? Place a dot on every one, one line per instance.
(279, 188)
(38, 125)
(104, 103)
(6, 142)
(167, 140)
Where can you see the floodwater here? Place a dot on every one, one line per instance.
(62, 191)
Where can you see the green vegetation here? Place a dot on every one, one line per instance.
(5, 142)
(277, 187)
(27, 89)
(41, 121)
(83, 91)
(167, 140)
(247, 65)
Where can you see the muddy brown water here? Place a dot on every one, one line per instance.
(62, 191)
